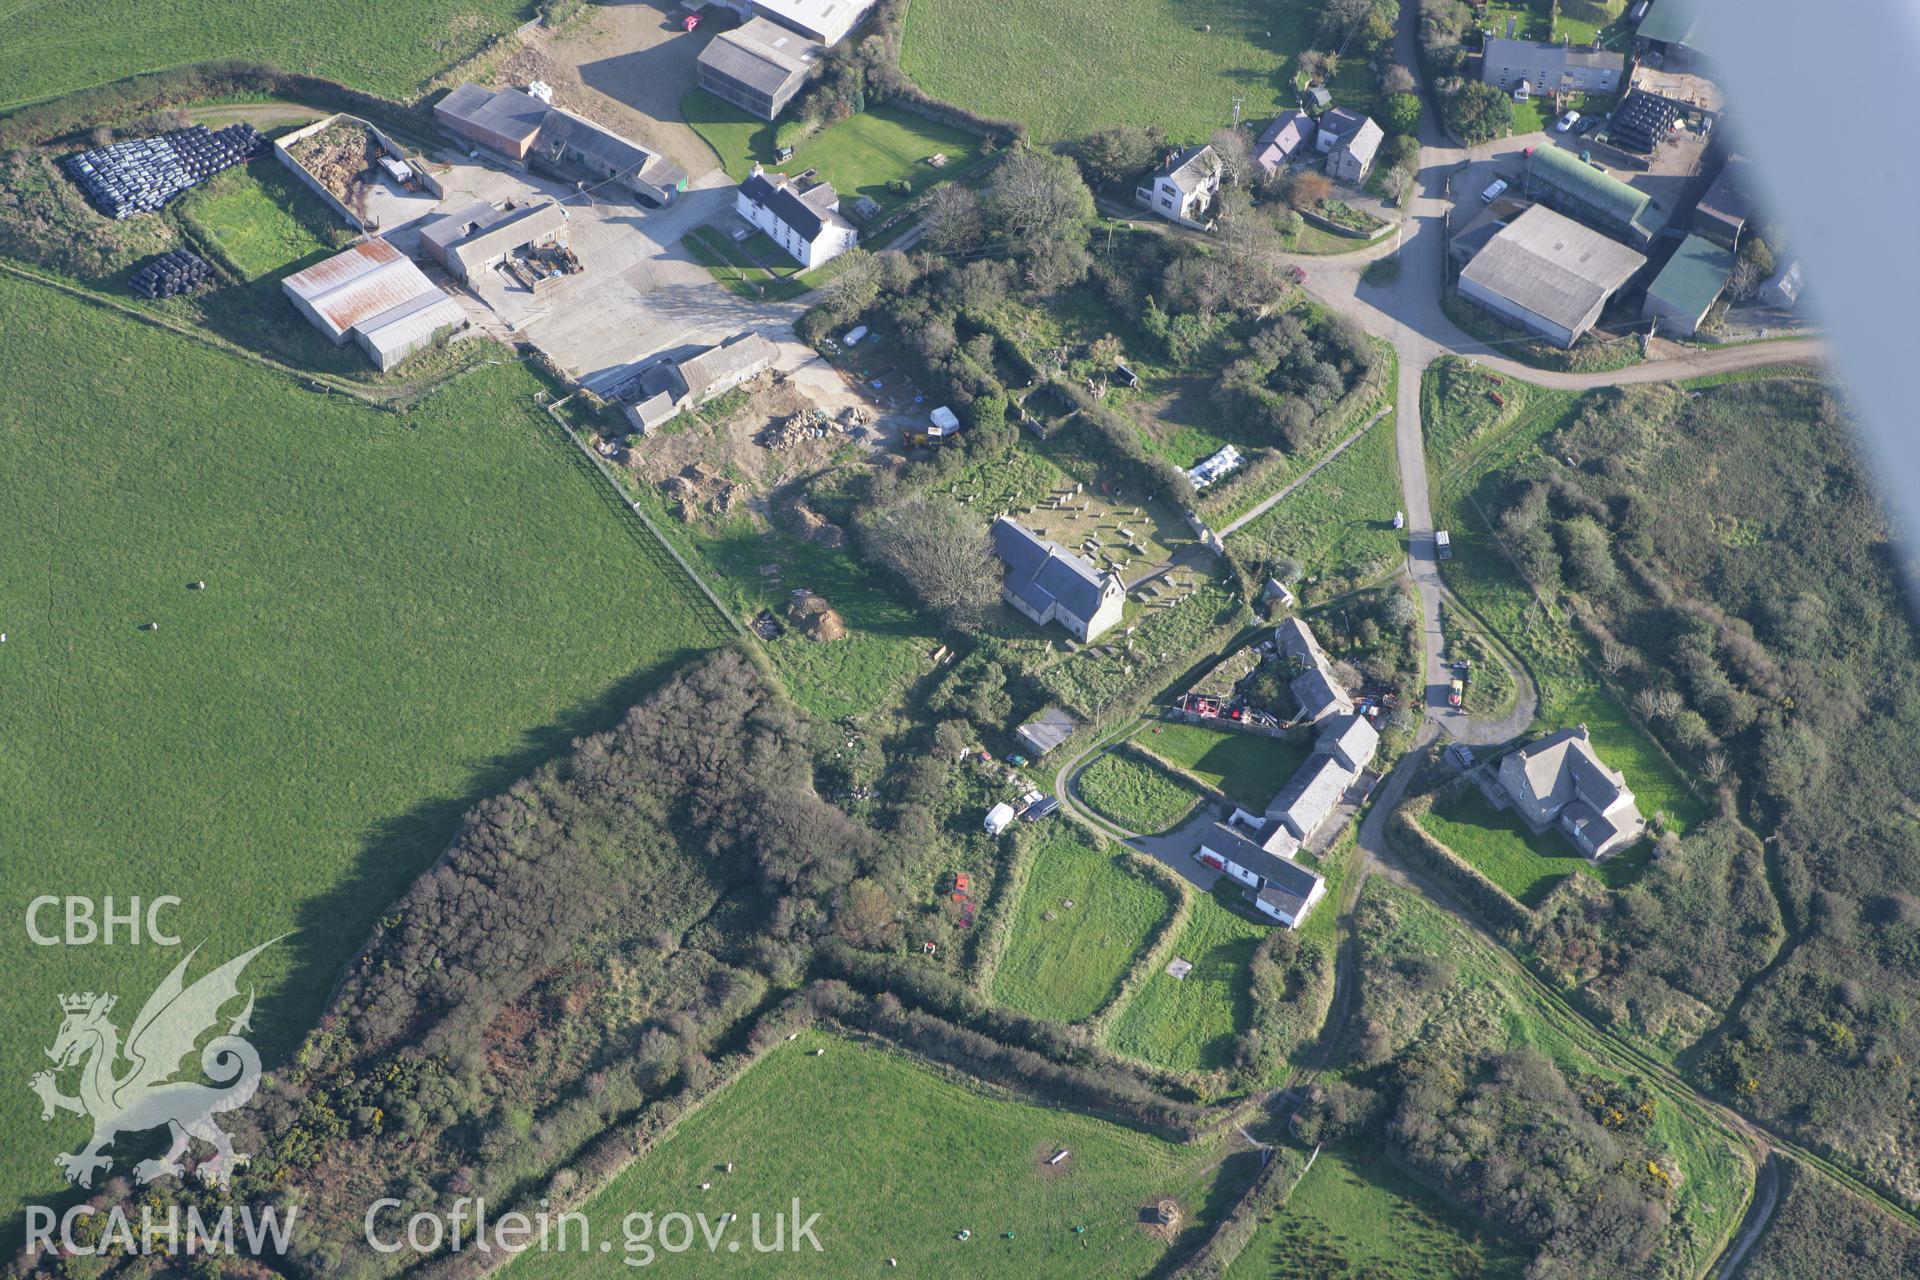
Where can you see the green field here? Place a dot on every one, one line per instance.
(1137, 793)
(1189, 1023)
(1357, 1213)
(391, 49)
(1142, 62)
(1247, 767)
(888, 639)
(859, 155)
(897, 1161)
(260, 217)
(402, 615)
(1066, 961)
(1511, 855)
(1342, 517)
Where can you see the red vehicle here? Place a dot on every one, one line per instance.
(1456, 692)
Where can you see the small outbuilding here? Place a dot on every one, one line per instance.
(1783, 290)
(1688, 286)
(1046, 731)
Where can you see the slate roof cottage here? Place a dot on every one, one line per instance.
(1286, 137)
(1559, 780)
(1349, 140)
(1182, 189)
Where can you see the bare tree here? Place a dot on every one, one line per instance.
(1396, 79)
(854, 288)
(1037, 195)
(950, 219)
(1234, 147)
(1658, 704)
(1614, 656)
(1714, 766)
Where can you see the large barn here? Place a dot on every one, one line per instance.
(1549, 274)
(758, 67)
(827, 21)
(373, 294)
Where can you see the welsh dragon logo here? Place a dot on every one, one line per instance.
(143, 1094)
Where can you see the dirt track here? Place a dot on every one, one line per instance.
(627, 65)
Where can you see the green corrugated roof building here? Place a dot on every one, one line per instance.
(1687, 287)
(1561, 179)
(1668, 22)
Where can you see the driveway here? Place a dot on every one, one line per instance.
(633, 63)
(1407, 313)
(1176, 848)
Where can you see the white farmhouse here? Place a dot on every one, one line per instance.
(1183, 189)
(802, 218)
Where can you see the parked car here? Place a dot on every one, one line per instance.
(1041, 808)
(1456, 692)
(1017, 760)
(1493, 192)
(1589, 124)
(1567, 121)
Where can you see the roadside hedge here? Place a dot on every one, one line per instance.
(121, 101)
(1160, 945)
(1416, 844)
(1109, 1089)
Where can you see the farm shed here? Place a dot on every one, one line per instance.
(575, 146)
(474, 240)
(718, 370)
(503, 120)
(1577, 189)
(758, 67)
(1548, 274)
(827, 21)
(1047, 730)
(1721, 215)
(669, 386)
(1688, 286)
(375, 295)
